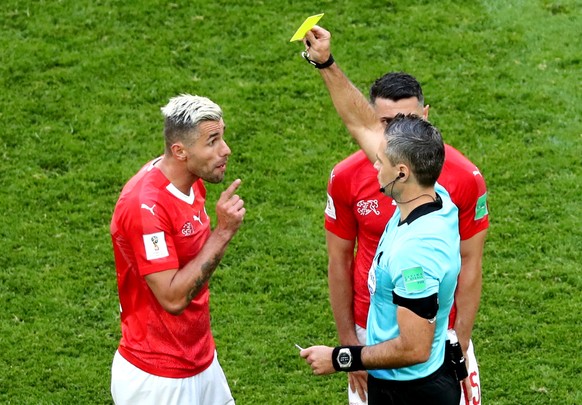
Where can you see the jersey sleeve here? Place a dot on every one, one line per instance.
(150, 235)
(415, 274)
(339, 215)
(471, 200)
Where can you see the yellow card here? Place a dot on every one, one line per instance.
(306, 26)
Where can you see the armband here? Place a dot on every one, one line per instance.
(347, 358)
(425, 307)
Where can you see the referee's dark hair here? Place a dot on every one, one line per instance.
(418, 144)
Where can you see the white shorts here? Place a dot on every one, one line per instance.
(473, 370)
(131, 385)
(354, 397)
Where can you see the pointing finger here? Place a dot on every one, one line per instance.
(229, 192)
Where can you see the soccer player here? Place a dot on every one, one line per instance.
(165, 254)
(357, 212)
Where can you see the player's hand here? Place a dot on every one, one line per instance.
(318, 44)
(359, 382)
(230, 209)
(466, 383)
(319, 358)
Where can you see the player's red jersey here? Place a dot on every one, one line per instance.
(357, 210)
(154, 228)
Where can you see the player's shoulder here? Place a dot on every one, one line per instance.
(455, 160)
(355, 160)
(459, 172)
(144, 188)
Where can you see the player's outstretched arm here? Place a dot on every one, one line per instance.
(351, 105)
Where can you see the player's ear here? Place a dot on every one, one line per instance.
(425, 112)
(178, 151)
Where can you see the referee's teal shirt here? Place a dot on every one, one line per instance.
(415, 260)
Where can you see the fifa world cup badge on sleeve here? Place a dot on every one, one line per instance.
(155, 245)
(330, 208)
(481, 207)
(414, 279)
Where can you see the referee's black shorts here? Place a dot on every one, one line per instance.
(439, 388)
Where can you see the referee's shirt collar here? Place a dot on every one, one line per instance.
(423, 210)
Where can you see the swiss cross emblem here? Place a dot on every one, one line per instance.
(188, 229)
(368, 206)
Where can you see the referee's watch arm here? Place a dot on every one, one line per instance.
(351, 105)
(412, 346)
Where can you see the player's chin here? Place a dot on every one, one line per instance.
(214, 178)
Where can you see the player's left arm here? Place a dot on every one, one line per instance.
(469, 283)
(473, 224)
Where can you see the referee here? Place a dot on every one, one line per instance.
(412, 279)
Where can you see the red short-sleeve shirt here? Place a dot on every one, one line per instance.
(155, 228)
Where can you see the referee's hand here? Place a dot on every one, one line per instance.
(318, 44)
(319, 358)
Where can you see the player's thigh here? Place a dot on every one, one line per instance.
(212, 385)
(131, 385)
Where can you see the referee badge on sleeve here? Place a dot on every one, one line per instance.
(414, 280)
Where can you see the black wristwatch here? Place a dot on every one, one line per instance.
(344, 358)
(347, 358)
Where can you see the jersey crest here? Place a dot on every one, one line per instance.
(366, 207)
(188, 229)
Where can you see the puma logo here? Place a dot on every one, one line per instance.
(149, 209)
(197, 218)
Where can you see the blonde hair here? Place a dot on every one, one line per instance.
(184, 113)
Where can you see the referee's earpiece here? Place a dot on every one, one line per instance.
(383, 188)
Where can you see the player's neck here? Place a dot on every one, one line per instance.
(177, 173)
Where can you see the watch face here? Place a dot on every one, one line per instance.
(344, 358)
